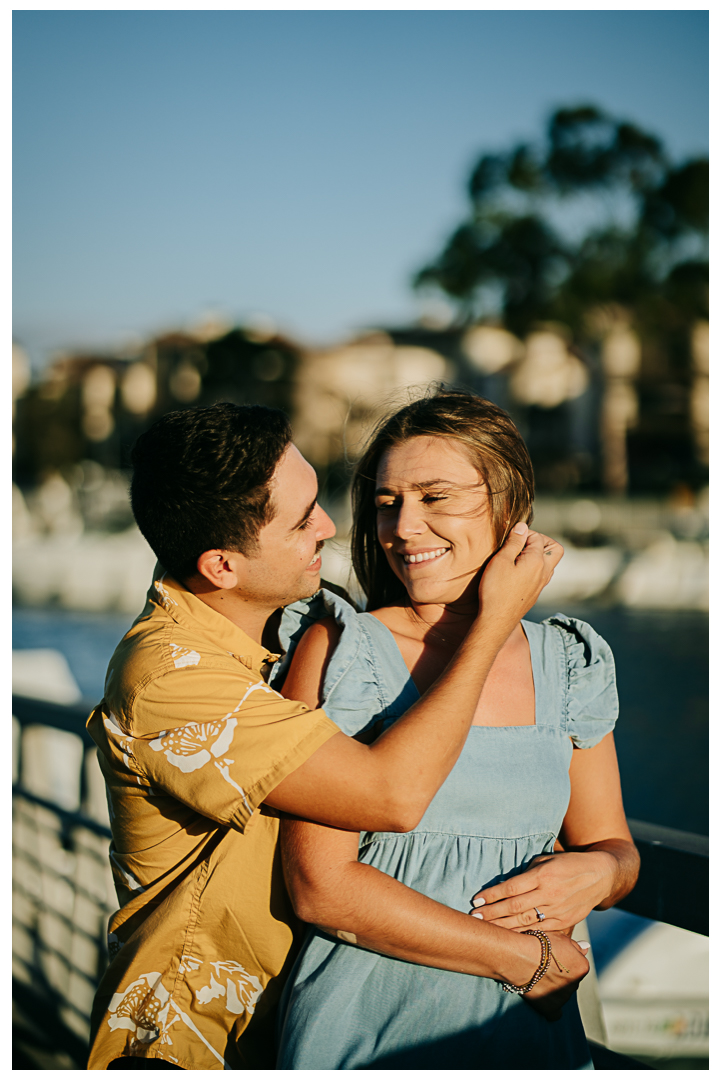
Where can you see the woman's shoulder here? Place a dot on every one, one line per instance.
(328, 630)
(393, 618)
(581, 642)
(326, 608)
(321, 636)
(588, 665)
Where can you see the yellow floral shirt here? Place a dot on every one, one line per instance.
(190, 740)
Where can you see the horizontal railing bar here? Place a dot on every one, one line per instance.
(71, 967)
(67, 1001)
(24, 799)
(42, 868)
(32, 859)
(72, 718)
(42, 905)
(660, 835)
(69, 818)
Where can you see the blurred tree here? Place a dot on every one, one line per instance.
(594, 215)
(594, 231)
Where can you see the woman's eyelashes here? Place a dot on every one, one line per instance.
(427, 499)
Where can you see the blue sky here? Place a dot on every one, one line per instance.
(299, 164)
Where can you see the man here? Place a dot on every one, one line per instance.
(200, 754)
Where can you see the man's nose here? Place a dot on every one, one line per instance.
(324, 528)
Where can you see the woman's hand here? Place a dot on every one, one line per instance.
(563, 886)
(559, 983)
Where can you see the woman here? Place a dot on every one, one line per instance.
(396, 974)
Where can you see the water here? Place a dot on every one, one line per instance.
(87, 641)
(662, 664)
(662, 672)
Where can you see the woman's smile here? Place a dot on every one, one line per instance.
(424, 556)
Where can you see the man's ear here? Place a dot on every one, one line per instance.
(218, 567)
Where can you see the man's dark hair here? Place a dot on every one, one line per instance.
(201, 481)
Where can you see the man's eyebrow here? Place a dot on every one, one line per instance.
(305, 515)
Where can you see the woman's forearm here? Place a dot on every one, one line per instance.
(364, 906)
(598, 863)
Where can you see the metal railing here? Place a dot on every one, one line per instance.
(62, 886)
(63, 891)
(674, 882)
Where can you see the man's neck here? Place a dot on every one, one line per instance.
(256, 620)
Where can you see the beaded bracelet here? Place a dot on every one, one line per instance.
(510, 988)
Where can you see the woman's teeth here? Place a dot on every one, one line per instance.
(424, 556)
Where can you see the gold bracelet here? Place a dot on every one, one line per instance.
(510, 988)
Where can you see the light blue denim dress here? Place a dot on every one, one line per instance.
(503, 803)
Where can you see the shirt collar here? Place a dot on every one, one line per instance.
(186, 609)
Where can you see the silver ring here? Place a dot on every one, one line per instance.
(539, 914)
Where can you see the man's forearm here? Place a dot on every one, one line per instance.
(432, 733)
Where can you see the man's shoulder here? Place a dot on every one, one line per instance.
(158, 652)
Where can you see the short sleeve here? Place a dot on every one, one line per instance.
(592, 698)
(216, 740)
(351, 692)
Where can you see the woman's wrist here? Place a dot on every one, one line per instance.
(621, 862)
(607, 870)
(520, 960)
(540, 971)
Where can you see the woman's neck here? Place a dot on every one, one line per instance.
(450, 622)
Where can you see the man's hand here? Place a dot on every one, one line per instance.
(517, 574)
(563, 886)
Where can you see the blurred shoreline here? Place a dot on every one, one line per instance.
(640, 553)
(636, 568)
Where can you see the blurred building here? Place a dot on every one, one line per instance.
(622, 416)
(93, 406)
(341, 392)
(618, 435)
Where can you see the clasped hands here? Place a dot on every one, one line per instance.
(563, 887)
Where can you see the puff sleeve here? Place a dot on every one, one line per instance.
(592, 698)
(351, 696)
